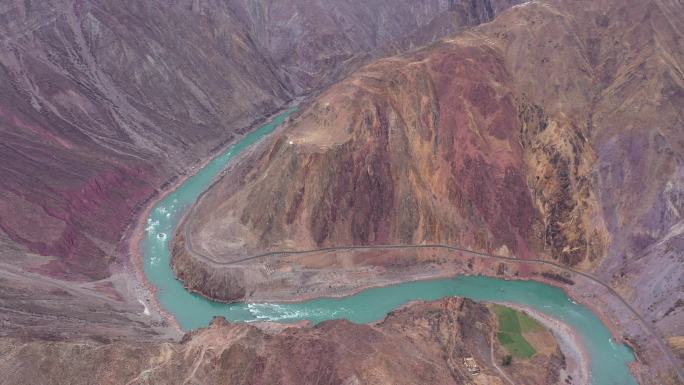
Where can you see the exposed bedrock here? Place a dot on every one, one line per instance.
(226, 284)
(554, 131)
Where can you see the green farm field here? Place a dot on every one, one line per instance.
(512, 325)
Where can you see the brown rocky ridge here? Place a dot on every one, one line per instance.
(553, 132)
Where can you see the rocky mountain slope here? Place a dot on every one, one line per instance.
(423, 343)
(554, 131)
(103, 102)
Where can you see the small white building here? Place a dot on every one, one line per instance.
(471, 365)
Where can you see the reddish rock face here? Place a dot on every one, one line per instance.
(103, 101)
(422, 148)
(540, 134)
(72, 222)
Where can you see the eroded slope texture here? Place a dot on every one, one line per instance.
(103, 101)
(422, 344)
(555, 131)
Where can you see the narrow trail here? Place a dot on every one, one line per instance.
(195, 366)
(491, 356)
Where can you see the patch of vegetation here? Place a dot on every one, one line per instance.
(507, 360)
(508, 319)
(512, 324)
(528, 324)
(516, 344)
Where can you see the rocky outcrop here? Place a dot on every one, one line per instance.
(224, 284)
(560, 159)
(422, 343)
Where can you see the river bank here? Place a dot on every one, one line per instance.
(298, 277)
(570, 343)
(146, 293)
(373, 268)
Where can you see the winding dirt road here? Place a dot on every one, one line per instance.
(491, 356)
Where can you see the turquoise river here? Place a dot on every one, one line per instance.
(609, 360)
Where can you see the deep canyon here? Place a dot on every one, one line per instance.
(105, 103)
(545, 131)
